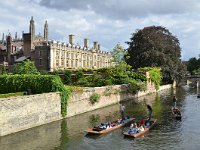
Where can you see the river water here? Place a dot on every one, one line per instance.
(168, 134)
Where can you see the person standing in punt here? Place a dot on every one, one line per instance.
(122, 111)
(174, 101)
(150, 114)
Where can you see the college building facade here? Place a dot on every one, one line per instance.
(50, 55)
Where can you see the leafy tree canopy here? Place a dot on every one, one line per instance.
(193, 65)
(25, 67)
(118, 57)
(118, 53)
(155, 46)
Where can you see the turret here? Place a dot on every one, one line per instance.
(46, 31)
(32, 29)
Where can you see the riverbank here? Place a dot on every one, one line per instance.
(24, 112)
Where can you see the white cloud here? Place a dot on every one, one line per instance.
(106, 21)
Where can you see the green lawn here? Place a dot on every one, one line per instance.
(74, 88)
(11, 94)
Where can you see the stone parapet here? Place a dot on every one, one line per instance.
(23, 112)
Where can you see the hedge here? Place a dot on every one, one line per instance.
(37, 83)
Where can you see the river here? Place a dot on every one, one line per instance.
(168, 134)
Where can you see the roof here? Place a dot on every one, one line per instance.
(2, 47)
(20, 59)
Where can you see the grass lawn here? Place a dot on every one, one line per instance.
(11, 94)
(74, 88)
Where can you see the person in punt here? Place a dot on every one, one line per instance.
(141, 128)
(133, 129)
(150, 114)
(120, 121)
(122, 111)
(174, 101)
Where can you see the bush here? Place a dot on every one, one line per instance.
(25, 67)
(82, 82)
(79, 75)
(136, 86)
(155, 75)
(108, 82)
(67, 77)
(94, 98)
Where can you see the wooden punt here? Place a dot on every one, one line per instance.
(176, 113)
(136, 135)
(99, 131)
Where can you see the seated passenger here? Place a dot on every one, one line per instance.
(141, 128)
(133, 129)
(104, 125)
(120, 121)
(113, 124)
(142, 122)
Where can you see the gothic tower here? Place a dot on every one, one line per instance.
(32, 29)
(46, 32)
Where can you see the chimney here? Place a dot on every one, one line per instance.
(99, 47)
(86, 43)
(3, 38)
(72, 39)
(9, 47)
(95, 45)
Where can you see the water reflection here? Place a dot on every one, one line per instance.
(94, 119)
(42, 137)
(167, 134)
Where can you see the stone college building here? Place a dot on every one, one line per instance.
(51, 55)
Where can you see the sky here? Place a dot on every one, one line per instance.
(107, 21)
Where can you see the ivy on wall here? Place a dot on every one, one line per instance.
(37, 84)
(154, 74)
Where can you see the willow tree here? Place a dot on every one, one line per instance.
(155, 46)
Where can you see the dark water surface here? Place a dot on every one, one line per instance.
(168, 134)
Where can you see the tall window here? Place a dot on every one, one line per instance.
(57, 54)
(40, 62)
(40, 53)
(67, 63)
(57, 62)
(62, 62)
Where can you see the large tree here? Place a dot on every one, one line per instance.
(193, 65)
(155, 46)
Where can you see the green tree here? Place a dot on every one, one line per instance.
(193, 65)
(118, 54)
(122, 70)
(25, 67)
(155, 46)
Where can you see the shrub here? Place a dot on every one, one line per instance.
(25, 67)
(67, 77)
(79, 75)
(155, 75)
(94, 98)
(108, 82)
(136, 86)
(82, 82)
